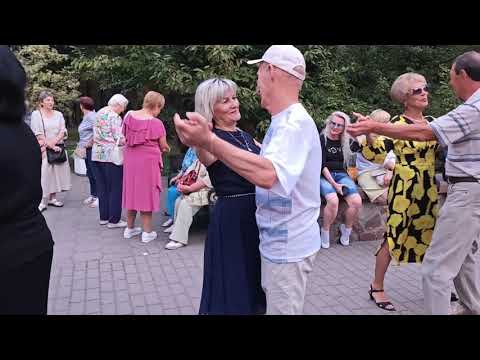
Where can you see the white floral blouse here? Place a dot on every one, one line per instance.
(107, 128)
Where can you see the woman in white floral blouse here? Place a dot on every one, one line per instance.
(106, 131)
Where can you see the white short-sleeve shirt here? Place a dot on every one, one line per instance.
(287, 215)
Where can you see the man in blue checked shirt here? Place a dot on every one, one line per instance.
(451, 254)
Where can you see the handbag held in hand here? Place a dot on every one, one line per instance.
(191, 177)
(54, 157)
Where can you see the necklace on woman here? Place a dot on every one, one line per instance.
(238, 141)
(414, 120)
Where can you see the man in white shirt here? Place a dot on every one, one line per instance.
(453, 247)
(287, 176)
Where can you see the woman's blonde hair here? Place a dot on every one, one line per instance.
(380, 115)
(211, 92)
(402, 86)
(345, 137)
(153, 99)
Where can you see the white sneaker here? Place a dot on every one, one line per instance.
(174, 245)
(147, 237)
(94, 203)
(168, 223)
(42, 207)
(88, 200)
(344, 238)
(103, 222)
(325, 237)
(120, 224)
(169, 229)
(129, 233)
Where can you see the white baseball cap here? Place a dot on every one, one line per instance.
(285, 57)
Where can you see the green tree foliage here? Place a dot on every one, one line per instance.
(47, 69)
(175, 71)
(347, 78)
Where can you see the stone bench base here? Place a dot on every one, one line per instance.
(370, 224)
(372, 218)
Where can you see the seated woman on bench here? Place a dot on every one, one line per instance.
(375, 176)
(172, 192)
(337, 147)
(193, 198)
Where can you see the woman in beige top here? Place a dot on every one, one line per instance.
(48, 125)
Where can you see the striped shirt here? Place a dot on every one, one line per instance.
(459, 131)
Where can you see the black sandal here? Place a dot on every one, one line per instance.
(385, 305)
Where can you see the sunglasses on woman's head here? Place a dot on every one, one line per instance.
(336, 125)
(418, 91)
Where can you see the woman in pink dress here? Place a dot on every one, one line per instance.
(146, 139)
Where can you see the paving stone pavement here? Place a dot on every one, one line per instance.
(96, 271)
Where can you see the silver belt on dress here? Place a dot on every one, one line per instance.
(235, 195)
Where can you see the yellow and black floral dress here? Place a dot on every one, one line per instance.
(412, 194)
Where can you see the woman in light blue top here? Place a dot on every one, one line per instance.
(172, 192)
(85, 132)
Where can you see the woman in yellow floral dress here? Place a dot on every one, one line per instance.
(412, 194)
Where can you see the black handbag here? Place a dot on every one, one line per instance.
(59, 157)
(54, 157)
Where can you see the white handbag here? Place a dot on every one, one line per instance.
(79, 166)
(117, 153)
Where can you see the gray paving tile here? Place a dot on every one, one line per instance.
(95, 271)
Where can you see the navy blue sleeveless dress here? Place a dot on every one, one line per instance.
(232, 276)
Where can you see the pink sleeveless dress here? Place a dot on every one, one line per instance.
(142, 164)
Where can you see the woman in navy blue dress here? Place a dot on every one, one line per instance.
(232, 275)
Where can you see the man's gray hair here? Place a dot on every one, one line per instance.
(118, 99)
(470, 62)
(211, 92)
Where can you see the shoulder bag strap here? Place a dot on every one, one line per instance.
(43, 125)
(121, 131)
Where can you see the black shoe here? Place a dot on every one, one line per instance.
(385, 305)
